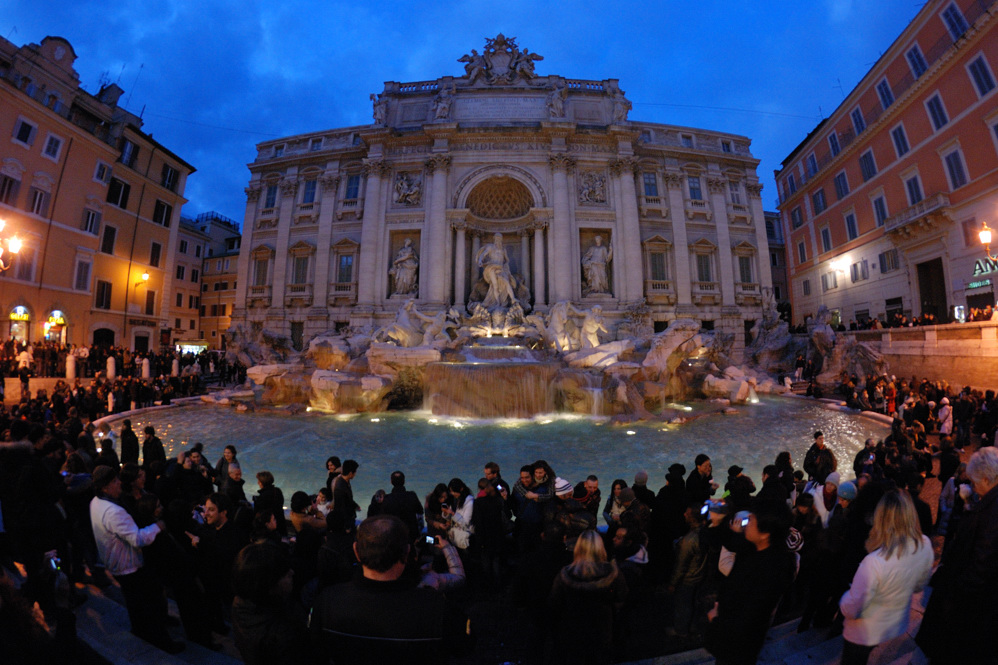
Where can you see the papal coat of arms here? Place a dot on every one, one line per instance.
(500, 63)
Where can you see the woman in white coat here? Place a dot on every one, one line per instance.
(899, 562)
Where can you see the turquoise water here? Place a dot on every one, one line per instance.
(434, 449)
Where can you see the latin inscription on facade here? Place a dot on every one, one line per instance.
(415, 112)
(587, 112)
(500, 108)
(500, 145)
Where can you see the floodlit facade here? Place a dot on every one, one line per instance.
(882, 203)
(344, 226)
(218, 277)
(95, 200)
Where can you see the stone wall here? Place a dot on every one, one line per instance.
(960, 353)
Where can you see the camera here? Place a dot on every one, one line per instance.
(431, 540)
(745, 522)
(705, 509)
(54, 562)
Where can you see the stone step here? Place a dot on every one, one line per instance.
(823, 653)
(788, 644)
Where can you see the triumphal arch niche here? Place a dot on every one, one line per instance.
(590, 207)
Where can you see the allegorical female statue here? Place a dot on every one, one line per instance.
(403, 270)
(594, 267)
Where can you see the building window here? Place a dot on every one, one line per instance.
(916, 61)
(195, 275)
(792, 183)
(107, 241)
(344, 272)
(725, 146)
(833, 143)
(776, 292)
(102, 173)
(829, 280)
(704, 272)
(24, 132)
(885, 94)
(889, 261)
(308, 191)
(858, 123)
(980, 74)
(191, 303)
(859, 271)
(191, 325)
(796, 220)
(162, 212)
(936, 112)
(91, 221)
(183, 247)
(181, 272)
(801, 252)
(867, 166)
(154, 254)
(129, 153)
(657, 265)
(914, 188)
(150, 303)
(298, 335)
(117, 193)
(169, 177)
(315, 144)
(24, 267)
(970, 230)
(900, 141)
(260, 269)
(841, 186)
(806, 287)
(651, 184)
(353, 186)
(745, 269)
(736, 192)
(8, 189)
(819, 202)
(279, 150)
(53, 146)
(954, 20)
(180, 300)
(774, 259)
(176, 323)
(197, 251)
(826, 239)
(82, 279)
(880, 210)
(270, 200)
(299, 270)
(38, 201)
(852, 229)
(696, 193)
(812, 165)
(103, 297)
(954, 169)
(687, 140)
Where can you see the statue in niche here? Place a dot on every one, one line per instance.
(403, 270)
(408, 190)
(556, 102)
(474, 65)
(593, 187)
(592, 325)
(380, 109)
(494, 262)
(594, 267)
(441, 104)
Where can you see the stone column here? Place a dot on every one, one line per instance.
(371, 238)
(525, 255)
(289, 189)
(434, 258)
(460, 265)
(627, 248)
(70, 367)
(561, 229)
(243, 264)
(327, 207)
(724, 256)
(539, 273)
(764, 273)
(680, 241)
(476, 244)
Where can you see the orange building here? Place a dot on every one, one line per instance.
(881, 204)
(95, 200)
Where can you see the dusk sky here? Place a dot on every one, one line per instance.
(216, 77)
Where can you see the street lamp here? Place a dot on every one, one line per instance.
(145, 278)
(985, 236)
(13, 246)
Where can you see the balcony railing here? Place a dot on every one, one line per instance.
(697, 207)
(298, 294)
(925, 207)
(342, 291)
(706, 287)
(658, 285)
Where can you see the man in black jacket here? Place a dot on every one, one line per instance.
(403, 504)
(819, 460)
(129, 443)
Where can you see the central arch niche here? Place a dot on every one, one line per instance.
(499, 198)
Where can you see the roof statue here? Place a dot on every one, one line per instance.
(500, 63)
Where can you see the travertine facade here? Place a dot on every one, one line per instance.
(343, 226)
(882, 202)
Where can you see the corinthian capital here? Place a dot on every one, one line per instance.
(289, 187)
(716, 185)
(377, 167)
(329, 181)
(754, 190)
(253, 192)
(561, 162)
(437, 162)
(624, 165)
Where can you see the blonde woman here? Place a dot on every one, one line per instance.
(899, 562)
(584, 598)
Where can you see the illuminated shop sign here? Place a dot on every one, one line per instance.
(57, 318)
(984, 266)
(20, 313)
(981, 283)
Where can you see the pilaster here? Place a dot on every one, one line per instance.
(561, 229)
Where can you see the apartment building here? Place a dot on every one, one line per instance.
(95, 200)
(882, 202)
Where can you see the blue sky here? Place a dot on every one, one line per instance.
(217, 76)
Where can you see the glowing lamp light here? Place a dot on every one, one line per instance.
(145, 277)
(3, 223)
(985, 236)
(14, 245)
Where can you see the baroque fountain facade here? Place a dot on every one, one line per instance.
(505, 243)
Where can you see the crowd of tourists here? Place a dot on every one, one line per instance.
(92, 506)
